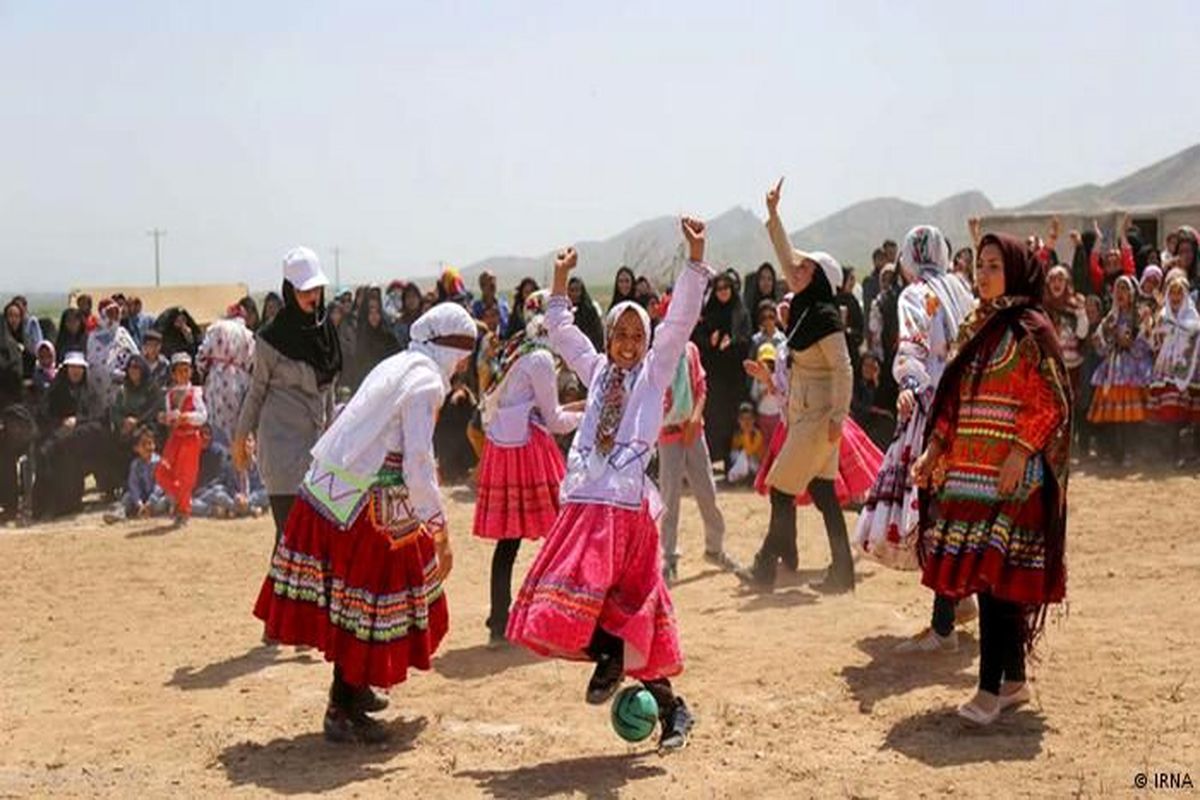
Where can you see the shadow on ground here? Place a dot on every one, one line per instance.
(594, 777)
(222, 673)
(938, 738)
(889, 674)
(307, 764)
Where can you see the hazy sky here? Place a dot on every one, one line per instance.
(409, 133)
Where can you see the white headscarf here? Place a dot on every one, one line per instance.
(444, 319)
(925, 257)
(1177, 359)
(535, 315)
(614, 314)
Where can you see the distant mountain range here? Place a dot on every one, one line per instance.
(738, 238)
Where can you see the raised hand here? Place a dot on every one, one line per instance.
(693, 232)
(773, 195)
(566, 260)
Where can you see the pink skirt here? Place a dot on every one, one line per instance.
(858, 464)
(518, 488)
(599, 566)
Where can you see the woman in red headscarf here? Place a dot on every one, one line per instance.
(994, 471)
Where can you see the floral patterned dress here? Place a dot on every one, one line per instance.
(225, 358)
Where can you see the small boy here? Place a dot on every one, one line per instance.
(180, 465)
(160, 367)
(46, 369)
(768, 404)
(234, 493)
(143, 497)
(747, 448)
(768, 328)
(683, 456)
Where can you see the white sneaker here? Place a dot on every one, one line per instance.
(966, 610)
(928, 641)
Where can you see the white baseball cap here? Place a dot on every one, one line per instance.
(302, 269)
(828, 264)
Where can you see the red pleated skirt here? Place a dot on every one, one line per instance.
(859, 461)
(373, 607)
(518, 488)
(600, 566)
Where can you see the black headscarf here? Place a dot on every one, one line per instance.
(1020, 311)
(11, 369)
(587, 318)
(728, 318)
(310, 338)
(813, 314)
(175, 340)
(617, 297)
(68, 342)
(751, 293)
(372, 344)
(66, 398)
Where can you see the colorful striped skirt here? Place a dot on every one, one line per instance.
(372, 605)
(518, 488)
(1118, 403)
(1166, 402)
(599, 566)
(887, 525)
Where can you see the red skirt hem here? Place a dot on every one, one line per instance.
(518, 489)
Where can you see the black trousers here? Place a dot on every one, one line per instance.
(503, 559)
(1001, 643)
(281, 506)
(781, 532)
(943, 615)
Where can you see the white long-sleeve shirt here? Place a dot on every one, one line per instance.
(393, 411)
(527, 396)
(619, 479)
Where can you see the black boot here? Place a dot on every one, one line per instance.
(840, 576)
(761, 574)
(368, 701)
(352, 727)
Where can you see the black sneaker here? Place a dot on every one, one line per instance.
(677, 723)
(497, 640)
(352, 727)
(759, 575)
(606, 679)
(367, 701)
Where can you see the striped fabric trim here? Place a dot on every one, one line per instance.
(369, 617)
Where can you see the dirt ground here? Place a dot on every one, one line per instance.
(130, 666)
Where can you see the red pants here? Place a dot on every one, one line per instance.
(180, 466)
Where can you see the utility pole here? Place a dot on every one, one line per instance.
(157, 234)
(337, 267)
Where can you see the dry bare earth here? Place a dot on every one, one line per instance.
(131, 667)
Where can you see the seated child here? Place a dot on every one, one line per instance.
(143, 496)
(747, 448)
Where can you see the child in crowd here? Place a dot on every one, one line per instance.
(46, 368)
(143, 497)
(683, 454)
(234, 493)
(1120, 381)
(596, 590)
(747, 449)
(1087, 433)
(160, 367)
(185, 414)
(1174, 397)
(1066, 310)
(877, 422)
(768, 328)
(767, 404)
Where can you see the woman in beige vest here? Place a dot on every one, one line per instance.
(819, 390)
